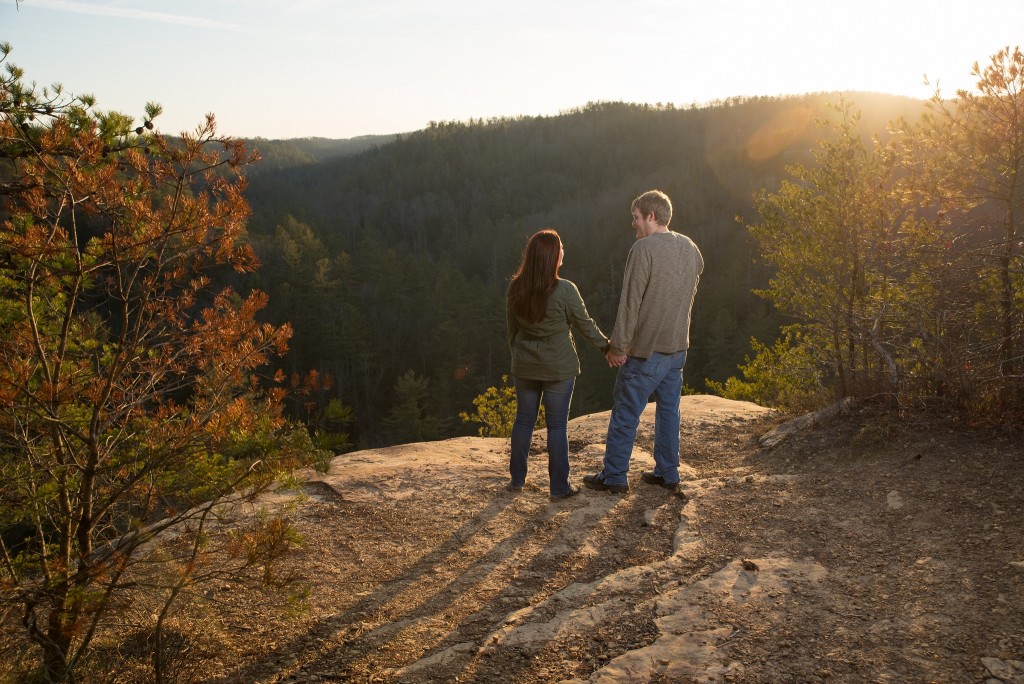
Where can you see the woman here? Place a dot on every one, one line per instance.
(540, 310)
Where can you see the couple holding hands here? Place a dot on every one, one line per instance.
(648, 346)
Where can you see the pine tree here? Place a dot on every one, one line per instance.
(130, 397)
(409, 419)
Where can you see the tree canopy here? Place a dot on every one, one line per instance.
(900, 261)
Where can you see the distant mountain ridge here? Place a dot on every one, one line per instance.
(280, 154)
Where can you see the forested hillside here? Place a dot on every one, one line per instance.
(283, 154)
(395, 259)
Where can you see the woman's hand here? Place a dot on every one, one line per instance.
(615, 360)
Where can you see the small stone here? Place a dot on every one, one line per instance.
(999, 669)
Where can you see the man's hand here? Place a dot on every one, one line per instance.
(615, 360)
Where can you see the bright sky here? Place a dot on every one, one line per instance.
(343, 68)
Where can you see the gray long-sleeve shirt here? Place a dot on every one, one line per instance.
(662, 271)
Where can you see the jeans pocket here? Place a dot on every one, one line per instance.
(636, 367)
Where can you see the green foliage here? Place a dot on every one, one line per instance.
(410, 420)
(829, 235)
(495, 410)
(969, 155)
(330, 434)
(783, 375)
(900, 261)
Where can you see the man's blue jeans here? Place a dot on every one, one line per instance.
(557, 395)
(660, 375)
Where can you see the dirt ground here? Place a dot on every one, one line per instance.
(867, 549)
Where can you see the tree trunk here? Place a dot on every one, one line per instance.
(1007, 364)
(55, 652)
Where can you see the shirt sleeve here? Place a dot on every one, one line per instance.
(580, 319)
(511, 322)
(634, 284)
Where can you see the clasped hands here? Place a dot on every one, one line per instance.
(615, 360)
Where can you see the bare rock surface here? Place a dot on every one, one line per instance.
(859, 548)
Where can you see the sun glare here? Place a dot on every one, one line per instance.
(779, 132)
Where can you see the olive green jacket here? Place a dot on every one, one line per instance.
(547, 350)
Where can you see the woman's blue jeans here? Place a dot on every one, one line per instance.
(556, 395)
(660, 375)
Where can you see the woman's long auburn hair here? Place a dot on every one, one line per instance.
(537, 275)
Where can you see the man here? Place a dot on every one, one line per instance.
(649, 343)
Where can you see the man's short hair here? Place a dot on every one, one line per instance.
(654, 202)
